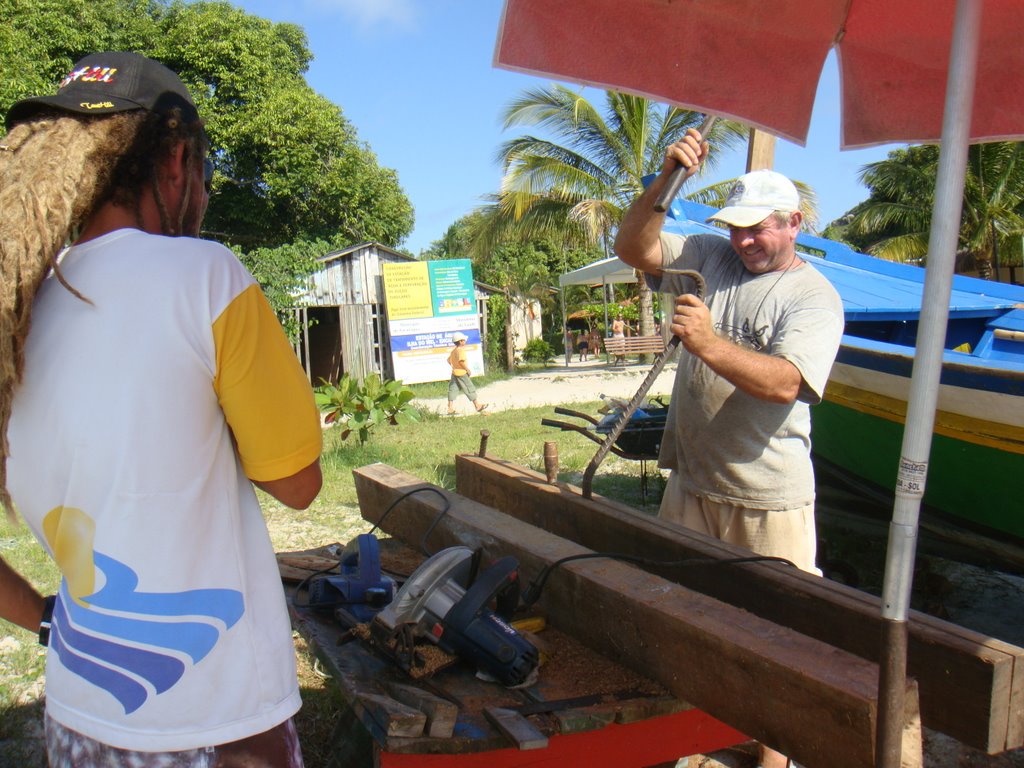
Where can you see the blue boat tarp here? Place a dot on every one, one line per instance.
(871, 289)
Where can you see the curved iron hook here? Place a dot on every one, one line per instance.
(634, 403)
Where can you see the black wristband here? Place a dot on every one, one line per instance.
(44, 623)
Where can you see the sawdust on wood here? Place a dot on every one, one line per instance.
(573, 669)
(398, 558)
(427, 658)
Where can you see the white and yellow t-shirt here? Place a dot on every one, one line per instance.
(171, 631)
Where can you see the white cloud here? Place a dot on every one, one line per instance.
(367, 14)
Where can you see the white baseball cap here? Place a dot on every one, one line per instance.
(755, 196)
(459, 336)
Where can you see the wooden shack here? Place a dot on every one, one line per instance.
(343, 316)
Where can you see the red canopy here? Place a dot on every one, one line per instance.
(759, 62)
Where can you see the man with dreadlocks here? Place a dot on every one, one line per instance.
(154, 389)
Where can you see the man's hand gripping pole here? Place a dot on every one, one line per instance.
(678, 174)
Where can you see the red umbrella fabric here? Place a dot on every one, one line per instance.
(759, 62)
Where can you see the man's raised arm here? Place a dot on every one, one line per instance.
(637, 242)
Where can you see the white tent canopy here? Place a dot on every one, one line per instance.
(613, 270)
(603, 273)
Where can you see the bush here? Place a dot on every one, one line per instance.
(497, 327)
(537, 351)
(360, 407)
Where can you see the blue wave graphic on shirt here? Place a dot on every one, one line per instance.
(114, 665)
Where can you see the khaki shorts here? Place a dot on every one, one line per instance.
(463, 384)
(787, 533)
(276, 748)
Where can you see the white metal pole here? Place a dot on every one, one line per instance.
(927, 370)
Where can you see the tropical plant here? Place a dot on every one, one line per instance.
(894, 223)
(538, 351)
(360, 407)
(575, 187)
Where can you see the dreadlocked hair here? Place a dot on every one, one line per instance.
(55, 171)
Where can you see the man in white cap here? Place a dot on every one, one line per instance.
(757, 353)
(462, 380)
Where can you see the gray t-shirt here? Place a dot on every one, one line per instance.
(727, 445)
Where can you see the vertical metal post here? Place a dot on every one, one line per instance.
(924, 383)
(551, 461)
(604, 292)
(565, 328)
(305, 344)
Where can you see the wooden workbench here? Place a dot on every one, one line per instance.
(600, 714)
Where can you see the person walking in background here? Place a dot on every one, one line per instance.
(569, 340)
(169, 639)
(583, 345)
(758, 350)
(462, 379)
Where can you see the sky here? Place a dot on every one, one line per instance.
(416, 80)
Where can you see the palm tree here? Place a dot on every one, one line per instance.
(574, 187)
(895, 221)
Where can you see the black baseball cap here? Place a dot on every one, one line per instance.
(115, 81)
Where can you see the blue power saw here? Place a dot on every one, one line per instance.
(359, 588)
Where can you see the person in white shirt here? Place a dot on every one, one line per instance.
(152, 390)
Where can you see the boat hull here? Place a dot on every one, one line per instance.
(976, 465)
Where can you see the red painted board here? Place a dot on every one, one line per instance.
(634, 745)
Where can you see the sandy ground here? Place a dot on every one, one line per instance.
(561, 385)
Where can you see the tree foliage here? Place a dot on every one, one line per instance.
(575, 186)
(895, 221)
(282, 273)
(290, 168)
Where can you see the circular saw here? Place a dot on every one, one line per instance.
(446, 602)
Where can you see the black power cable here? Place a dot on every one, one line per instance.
(430, 528)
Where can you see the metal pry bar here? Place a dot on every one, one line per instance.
(678, 175)
(634, 403)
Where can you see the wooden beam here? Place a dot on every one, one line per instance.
(760, 151)
(441, 715)
(972, 686)
(517, 728)
(796, 694)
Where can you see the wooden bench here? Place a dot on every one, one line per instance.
(619, 347)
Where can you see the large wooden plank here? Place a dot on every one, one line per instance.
(970, 684)
(796, 694)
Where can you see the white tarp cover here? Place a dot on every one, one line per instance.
(613, 270)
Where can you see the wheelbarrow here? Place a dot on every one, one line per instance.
(640, 439)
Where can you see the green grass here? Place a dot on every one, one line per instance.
(22, 659)
(426, 449)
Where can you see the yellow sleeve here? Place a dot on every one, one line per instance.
(263, 390)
